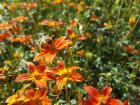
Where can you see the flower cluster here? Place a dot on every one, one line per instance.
(102, 98)
(40, 74)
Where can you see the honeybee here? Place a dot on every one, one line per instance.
(45, 41)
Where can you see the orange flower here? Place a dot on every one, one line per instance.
(36, 97)
(80, 53)
(131, 50)
(79, 7)
(12, 7)
(29, 96)
(73, 35)
(74, 23)
(28, 6)
(2, 72)
(18, 97)
(37, 74)
(113, 101)
(102, 98)
(51, 23)
(49, 50)
(15, 29)
(4, 36)
(94, 18)
(24, 40)
(58, 1)
(5, 26)
(65, 74)
(20, 19)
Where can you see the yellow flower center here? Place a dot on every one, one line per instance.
(36, 75)
(102, 100)
(72, 36)
(52, 24)
(64, 71)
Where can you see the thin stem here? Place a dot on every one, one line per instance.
(119, 13)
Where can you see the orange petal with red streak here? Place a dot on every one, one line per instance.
(93, 92)
(23, 77)
(31, 67)
(106, 91)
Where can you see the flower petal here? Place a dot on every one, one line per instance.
(60, 83)
(115, 102)
(41, 83)
(30, 66)
(74, 68)
(43, 93)
(64, 44)
(106, 91)
(60, 64)
(87, 102)
(81, 37)
(92, 92)
(40, 55)
(49, 58)
(61, 43)
(23, 77)
(57, 41)
(50, 76)
(30, 93)
(46, 101)
(127, 102)
(77, 77)
(56, 2)
(52, 70)
(41, 68)
(90, 102)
